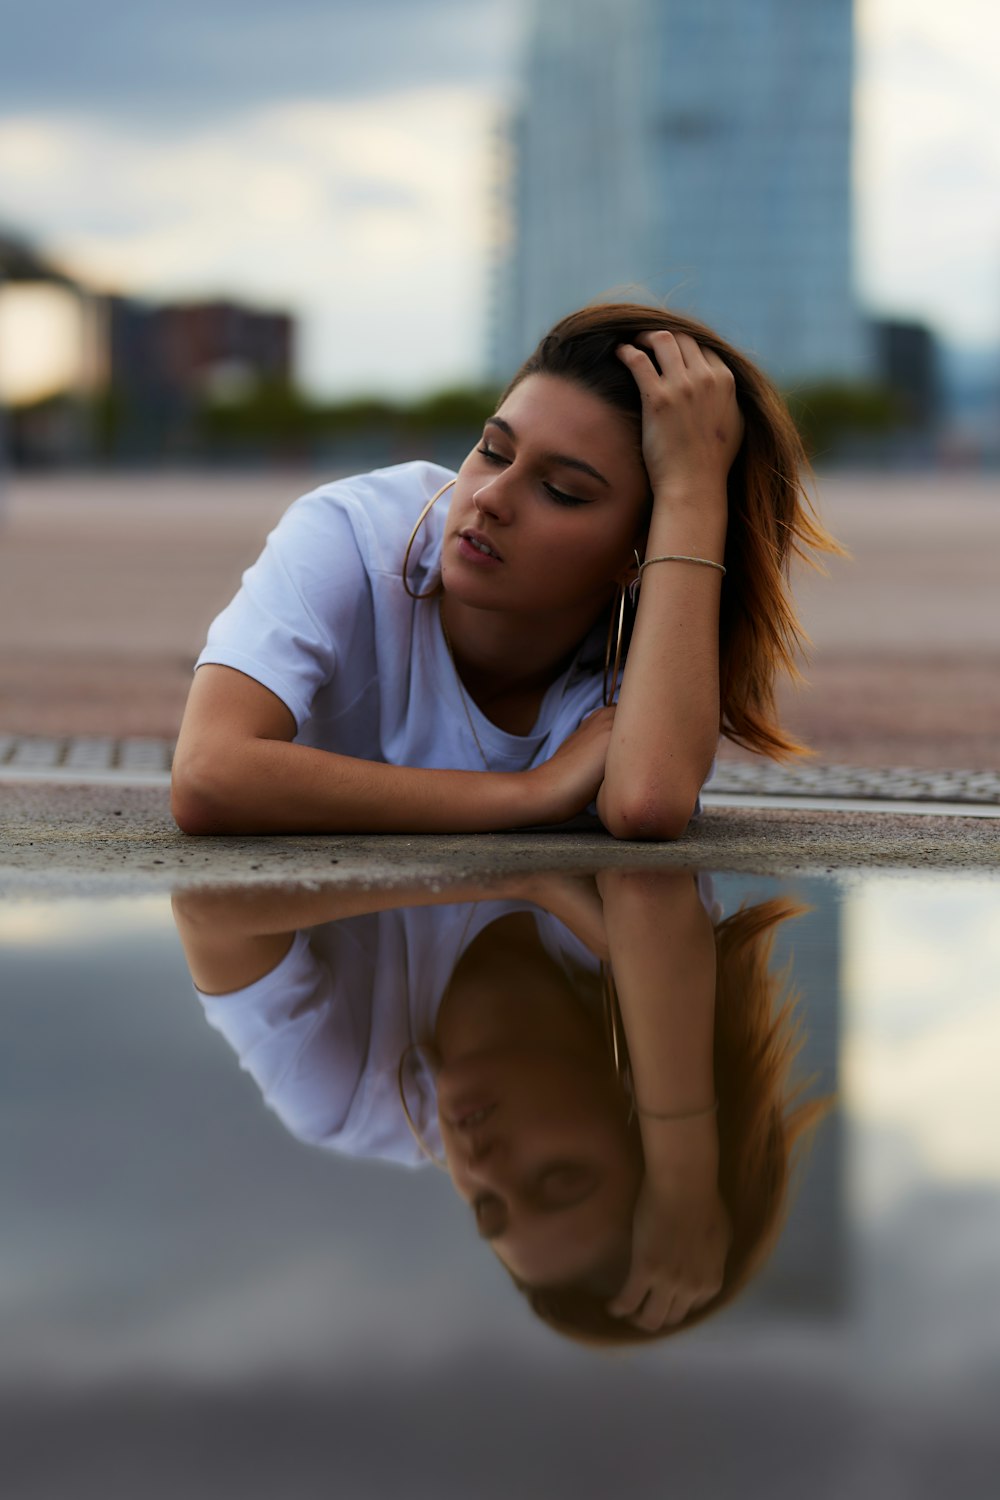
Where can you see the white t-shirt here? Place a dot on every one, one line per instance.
(323, 621)
(323, 1033)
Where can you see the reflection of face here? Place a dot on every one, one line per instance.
(537, 1143)
(557, 489)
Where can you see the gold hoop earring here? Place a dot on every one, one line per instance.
(614, 1033)
(616, 633)
(413, 537)
(425, 1149)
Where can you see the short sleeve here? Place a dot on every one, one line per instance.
(303, 609)
(296, 1032)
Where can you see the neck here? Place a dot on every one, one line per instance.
(507, 991)
(497, 654)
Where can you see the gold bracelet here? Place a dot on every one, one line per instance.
(692, 1114)
(704, 562)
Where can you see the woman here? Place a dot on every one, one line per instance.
(388, 667)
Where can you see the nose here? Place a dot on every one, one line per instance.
(486, 1161)
(494, 498)
(483, 1149)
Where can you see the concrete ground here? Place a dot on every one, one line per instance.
(61, 839)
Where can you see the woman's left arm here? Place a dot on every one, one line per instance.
(666, 726)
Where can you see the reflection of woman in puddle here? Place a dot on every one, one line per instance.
(625, 1202)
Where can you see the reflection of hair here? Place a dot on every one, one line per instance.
(762, 1116)
(770, 517)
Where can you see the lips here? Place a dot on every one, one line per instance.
(470, 1119)
(480, 543)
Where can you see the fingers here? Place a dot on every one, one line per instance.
(628, 1300)
(674, 354)
(650, 1301)
(654, 1297)
(651, 1306)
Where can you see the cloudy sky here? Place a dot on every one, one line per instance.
(334, 157)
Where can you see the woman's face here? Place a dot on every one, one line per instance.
(537, 1144)
(546, 511)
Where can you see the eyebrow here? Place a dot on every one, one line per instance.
(552, 458)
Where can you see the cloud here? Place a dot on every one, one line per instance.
(919, 1061)
(928, 154)
(182, 65)
(369, 217)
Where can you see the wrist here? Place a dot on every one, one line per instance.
(698, 493)
(538, 796)
(685, 1150)
(694, 529)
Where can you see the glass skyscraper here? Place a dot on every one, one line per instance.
(698, 151)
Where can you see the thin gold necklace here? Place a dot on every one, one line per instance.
(461, 686)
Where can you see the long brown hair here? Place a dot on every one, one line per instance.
(770, 515)
(763, 1116)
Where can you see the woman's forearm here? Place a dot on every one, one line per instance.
(237, 770)
(667, 723)
(249, 786)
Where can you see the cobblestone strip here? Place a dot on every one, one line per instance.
(65, 756)
(892, 783)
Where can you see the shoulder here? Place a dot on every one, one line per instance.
(379, 496)
(378, 509)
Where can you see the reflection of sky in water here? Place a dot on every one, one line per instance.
(159, 1225)
(922, 991)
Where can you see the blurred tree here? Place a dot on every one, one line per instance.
(829, 414)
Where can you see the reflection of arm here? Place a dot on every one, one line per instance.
(232, 938)
(662, 952)
(663, 959)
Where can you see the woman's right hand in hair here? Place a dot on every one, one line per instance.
(692, 426)
(572, 777)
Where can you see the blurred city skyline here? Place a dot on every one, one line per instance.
(339, 161)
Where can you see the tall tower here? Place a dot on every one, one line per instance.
(695, 150)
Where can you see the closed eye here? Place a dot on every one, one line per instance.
(492, 454)
(559, 496)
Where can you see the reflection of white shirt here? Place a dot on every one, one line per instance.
(323, 621)
(322, 1035)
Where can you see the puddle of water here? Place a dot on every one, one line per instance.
(227, 1269)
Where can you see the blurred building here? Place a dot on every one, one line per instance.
(84, 375)
(809, 1271)
(695, 150)
(208, 348)
(51, 355)
(906, 361)
(166, 361)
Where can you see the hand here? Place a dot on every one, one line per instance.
(692, 426)
(571, 778)
(680, 1240)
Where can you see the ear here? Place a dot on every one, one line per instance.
(627, 575)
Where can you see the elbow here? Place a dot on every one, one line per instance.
(197, 800)
(651, 818)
